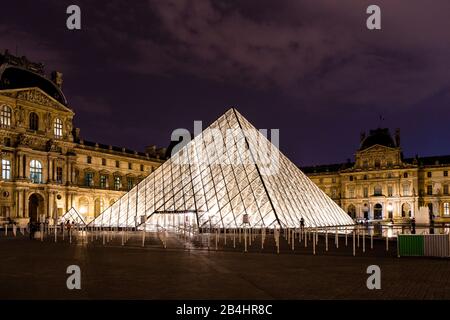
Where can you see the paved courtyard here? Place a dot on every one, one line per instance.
(31, 269)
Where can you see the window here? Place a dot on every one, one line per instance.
(117, 164)
(406, 190)
(5, 117)
(321, 180)
(130, 165)
(429, 174)
(103, 181)
(365, 177)
(377, 163)
(333, 180)
(130, 183)
(429, 189)
(445, 173)
(34, 121)
(390, 191)
(89, 179)
(351, 178)
(103, 162)
(366, 192)
(377, 191)
(405, 175)
(446, 209)
(389, 163)
(389, 175)
(142, 167)
(6, 169)
(365, 164)
(59, 173)
(117, 183)
(351, 193)
(445, 189)
(35, 171)
(89, 159)
(58, 128)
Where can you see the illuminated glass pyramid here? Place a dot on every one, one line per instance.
(72, 216)
(228, 175)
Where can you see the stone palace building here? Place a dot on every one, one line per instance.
(382, 184)
(46, 167)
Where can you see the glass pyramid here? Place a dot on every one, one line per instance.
(73, 216)
(228, 175)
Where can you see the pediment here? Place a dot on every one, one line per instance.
(35, 95)
(377, 148)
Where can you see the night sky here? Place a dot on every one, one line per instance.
(137, 70)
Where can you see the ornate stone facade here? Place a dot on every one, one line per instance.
(381, 184)
(46, 168)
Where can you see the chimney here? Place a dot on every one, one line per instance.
(397, 137)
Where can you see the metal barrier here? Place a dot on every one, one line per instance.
(429, 245)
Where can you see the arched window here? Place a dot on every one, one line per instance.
(35, 171)
(5, 117)
(58, 128)
(34, 121)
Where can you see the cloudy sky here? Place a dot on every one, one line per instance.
(140, 69)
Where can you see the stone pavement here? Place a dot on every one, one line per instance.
(30, 269)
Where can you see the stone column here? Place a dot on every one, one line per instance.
(50, 169)
(50, 206)
(19, 203)
(19, 166)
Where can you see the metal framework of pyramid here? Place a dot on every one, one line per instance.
(73, 216)
(228, 175)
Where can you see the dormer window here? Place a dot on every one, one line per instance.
(5, 117)
(377, 163)
(58, 128)
(34, 121)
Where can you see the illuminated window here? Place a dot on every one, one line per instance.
(406, 190)
(117, 183)
(6, 169)
(103, 181)
(34, 121)
(446, 209)
(58, 128)
(89, 179)
(5, 117)
(35, 171)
